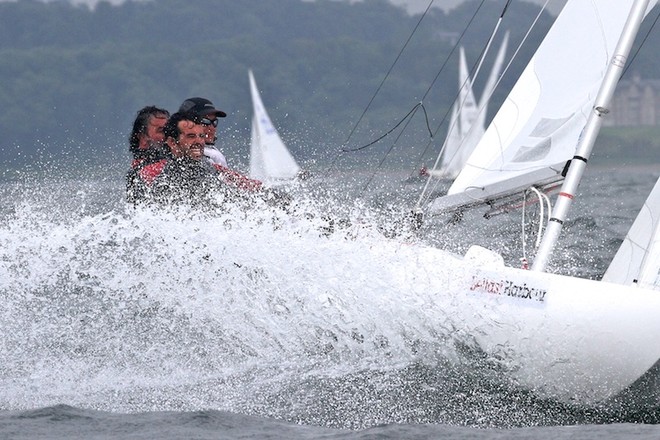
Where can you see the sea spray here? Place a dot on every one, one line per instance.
(260, 312)
(134, 299)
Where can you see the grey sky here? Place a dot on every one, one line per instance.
(413, 6)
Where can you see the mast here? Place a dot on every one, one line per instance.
(589, 133)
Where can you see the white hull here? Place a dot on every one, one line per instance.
(562, 337)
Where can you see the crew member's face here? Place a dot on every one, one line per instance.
(191, 141)
(210, 129)
(154, 133)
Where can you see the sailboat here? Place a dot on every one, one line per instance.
(270, 159)
(467, 124)
(561, 336)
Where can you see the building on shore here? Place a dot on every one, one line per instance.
(635, 103)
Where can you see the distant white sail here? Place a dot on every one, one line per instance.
(270, 159)
(468, 119)
(491, 83)
(465, 113)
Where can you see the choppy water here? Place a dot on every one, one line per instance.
(122, 323)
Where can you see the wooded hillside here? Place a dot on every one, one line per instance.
(73, 78)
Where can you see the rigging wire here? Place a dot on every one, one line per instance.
(628, 64)
(471, 79)
(430, 87)
(334, 161)
(453, 49)
(373, 174)
(410, 114)
(413, 111)
(444, 118)
(490, 41)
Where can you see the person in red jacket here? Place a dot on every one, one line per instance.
(146, 143)
(147, 137)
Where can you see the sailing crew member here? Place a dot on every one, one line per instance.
(208, 116)
(146, 143)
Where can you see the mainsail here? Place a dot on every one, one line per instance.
(270, 160)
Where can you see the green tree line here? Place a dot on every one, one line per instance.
(74, 77)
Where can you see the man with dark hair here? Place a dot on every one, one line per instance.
(146, 143)
(204, 112)
(147, 136)
(208, 116)
(183, 176)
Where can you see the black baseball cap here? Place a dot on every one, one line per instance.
(200, 107)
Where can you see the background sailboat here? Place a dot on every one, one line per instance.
(467, 124)
(270, 159)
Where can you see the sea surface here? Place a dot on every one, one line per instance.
(310, 322)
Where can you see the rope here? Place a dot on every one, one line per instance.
(444, 64)
(334, 161)
(544, 202)
(411, 112)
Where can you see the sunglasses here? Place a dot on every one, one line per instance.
(207, 121)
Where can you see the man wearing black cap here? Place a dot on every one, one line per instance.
(208, 116)
(202, 111)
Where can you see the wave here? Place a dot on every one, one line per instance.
(257, 312)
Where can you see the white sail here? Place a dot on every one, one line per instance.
(467, 123)
(537, 129)
(491, 83)
(452, 143)
(270, 159)
(637, 262)
(465, 113)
